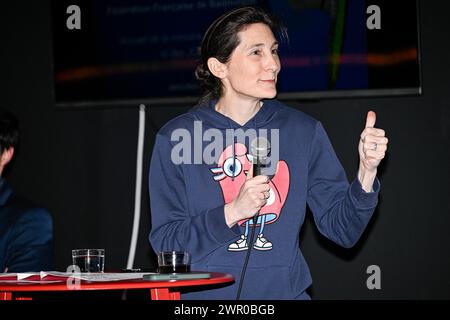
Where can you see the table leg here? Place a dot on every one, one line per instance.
(5, 296)
(164, 294)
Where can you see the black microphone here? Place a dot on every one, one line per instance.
(260, 150)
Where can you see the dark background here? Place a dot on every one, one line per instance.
(80, 164)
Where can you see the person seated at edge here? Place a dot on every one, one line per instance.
(207, 209)
(26, 230)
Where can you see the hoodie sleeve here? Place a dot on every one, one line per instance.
(173, 226)
(341, 210)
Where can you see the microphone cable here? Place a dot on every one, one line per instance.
(250, 245)
(260, 148)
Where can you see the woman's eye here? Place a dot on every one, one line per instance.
(256, 52)
(274, 51)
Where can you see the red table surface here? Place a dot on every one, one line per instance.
(116, 285)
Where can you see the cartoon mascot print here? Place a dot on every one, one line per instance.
(270, 212)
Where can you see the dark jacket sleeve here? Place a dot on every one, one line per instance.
(30, 244)
(173, 226)
(341, 210)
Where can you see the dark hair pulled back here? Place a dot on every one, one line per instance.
(220, 40)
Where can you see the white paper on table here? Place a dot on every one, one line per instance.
(52, 276)
(100, 277)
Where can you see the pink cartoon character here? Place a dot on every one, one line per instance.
(231, 174)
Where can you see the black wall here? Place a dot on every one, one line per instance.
(80, 164)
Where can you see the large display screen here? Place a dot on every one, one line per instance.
(111, 52)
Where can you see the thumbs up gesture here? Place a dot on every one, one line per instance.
(372, 145)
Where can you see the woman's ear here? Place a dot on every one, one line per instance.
(217, 68)
(6, 156)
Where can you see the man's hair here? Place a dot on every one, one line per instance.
(9, 130)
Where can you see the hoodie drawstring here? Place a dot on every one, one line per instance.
(234, 143)
(232, 150)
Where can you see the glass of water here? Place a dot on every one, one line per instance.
(174, 262)
(89, 260)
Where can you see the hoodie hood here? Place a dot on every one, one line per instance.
(214, 119)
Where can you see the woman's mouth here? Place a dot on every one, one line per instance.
(270, 81)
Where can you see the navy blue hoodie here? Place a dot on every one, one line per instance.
(187, 201)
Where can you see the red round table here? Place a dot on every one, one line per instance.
(160, 290)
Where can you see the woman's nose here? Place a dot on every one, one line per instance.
(272, 64)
